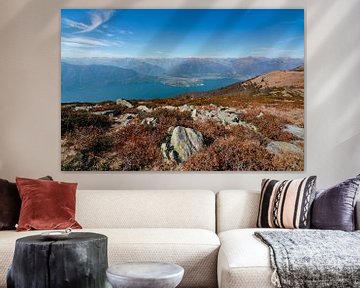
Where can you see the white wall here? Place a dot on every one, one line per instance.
(30, 94)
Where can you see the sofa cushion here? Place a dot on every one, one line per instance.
(286, 204)
(46, 204)
(334, 207)
(194, 249)
(10, 204)
(146, 209)
(244, 261)
(236, 209)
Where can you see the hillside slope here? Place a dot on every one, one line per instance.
(280, 83)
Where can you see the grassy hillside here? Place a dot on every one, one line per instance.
(254, 125)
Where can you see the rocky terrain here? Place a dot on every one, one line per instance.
(253, 125)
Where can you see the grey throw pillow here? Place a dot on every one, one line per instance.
(334, 208)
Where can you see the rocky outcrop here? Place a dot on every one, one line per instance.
(167, 107)
(125, 119)
(143, 108)
(181, 143)
(294, 130)
(151, 121)
(82, 108)
(224, 115)
(186, 108)
(123, 102)
(278, 147)
(261, 114)
(110, 113)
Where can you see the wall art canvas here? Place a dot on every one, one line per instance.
(182, 90)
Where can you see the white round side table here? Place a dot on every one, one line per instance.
(145, 275)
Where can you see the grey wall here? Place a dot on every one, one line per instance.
(30, 94)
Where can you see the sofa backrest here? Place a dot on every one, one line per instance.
(236, 209)
(239, 209)
(146, 209)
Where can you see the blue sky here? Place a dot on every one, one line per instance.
(166, 33)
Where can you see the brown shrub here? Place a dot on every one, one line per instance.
(72, 120)
(91, 140)
(269, 125)
(210, 130)
(85, 149)
(137, 148)
(288, 162)
(172, 117)
(231, 154)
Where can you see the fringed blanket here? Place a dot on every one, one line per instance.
(313, 258)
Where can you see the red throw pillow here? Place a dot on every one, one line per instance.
(10, 204)
(46, 204)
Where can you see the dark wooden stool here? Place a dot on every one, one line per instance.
(80, 261)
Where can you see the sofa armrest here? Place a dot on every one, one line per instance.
(357, 215)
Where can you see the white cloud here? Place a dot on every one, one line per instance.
(87, 42)
(78, 52)
(97, 18)
(83, 41)
(74, 24)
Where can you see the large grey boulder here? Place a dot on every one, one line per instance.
(123, 102)
(294, 130)
(278, 147)
(181, 143)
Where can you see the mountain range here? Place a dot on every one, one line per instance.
(240, 68)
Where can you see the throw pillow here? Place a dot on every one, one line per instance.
(286, 204)
(10, 204)
(334, 208)
(46, 204)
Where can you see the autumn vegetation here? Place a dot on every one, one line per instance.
(97, 142)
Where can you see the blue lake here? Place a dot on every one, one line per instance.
(145, 91)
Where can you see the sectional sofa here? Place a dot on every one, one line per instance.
(210, 235)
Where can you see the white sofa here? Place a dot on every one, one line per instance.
(175, 226)
(243, 261)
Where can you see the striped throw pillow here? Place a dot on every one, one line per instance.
(286, 204)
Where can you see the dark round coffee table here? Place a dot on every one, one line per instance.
(145, 275)
(78, 261)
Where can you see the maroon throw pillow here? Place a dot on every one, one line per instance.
(10, 204)
(46, 204)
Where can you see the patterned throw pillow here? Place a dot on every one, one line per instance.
(286, 204)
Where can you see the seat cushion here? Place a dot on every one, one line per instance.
(244, 261)
(196, 250)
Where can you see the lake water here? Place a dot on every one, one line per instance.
(144, 91)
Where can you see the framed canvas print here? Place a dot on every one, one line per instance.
(182, 90)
